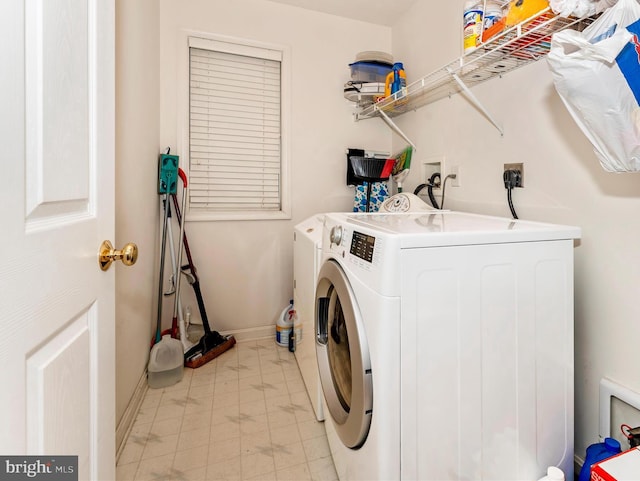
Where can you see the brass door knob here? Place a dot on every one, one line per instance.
(128, 255)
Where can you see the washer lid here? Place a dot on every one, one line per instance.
(450, 228)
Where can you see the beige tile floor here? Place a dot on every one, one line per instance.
(243, 416)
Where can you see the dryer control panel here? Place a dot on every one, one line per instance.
(362, 246)
(356, 247)
(371, 256)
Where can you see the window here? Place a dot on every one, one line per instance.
(238, 165)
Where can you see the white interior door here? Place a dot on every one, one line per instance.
(56, 204)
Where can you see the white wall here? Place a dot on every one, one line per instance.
(137, 205)
(563, 183)
(245, 268)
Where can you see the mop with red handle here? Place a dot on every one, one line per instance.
(177, 276)
(212, 343)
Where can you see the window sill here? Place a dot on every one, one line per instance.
(236, 216)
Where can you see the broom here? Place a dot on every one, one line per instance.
(401, 167)
(212, 343)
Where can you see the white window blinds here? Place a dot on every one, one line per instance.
(234, 128)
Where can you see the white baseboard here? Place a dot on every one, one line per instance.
(577, 465)
(129, 416)
(253, 333)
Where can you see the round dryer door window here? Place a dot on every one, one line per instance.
(343, 356)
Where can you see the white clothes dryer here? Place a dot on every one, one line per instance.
(445, 346)
(307, 257)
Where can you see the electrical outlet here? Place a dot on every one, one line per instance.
(519, 167)
(455, 170)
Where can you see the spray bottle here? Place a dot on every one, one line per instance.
(396, 81)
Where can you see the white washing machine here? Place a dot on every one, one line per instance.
(307, 259)
(445, 346)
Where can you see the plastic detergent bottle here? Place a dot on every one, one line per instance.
(553, 474)
(598, 452)
(472, 24)
(284, 325)
(396, 80)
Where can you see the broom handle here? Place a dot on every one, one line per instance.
(158, 336)
(192, 268)
(187, 251)
(174, 324)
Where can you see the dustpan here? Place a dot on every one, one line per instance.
(166, 363)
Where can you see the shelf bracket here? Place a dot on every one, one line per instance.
(474, 100)
(395, 128)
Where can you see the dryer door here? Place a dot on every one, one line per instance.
(343, 356)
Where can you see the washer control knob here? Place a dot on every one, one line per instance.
(336, 235)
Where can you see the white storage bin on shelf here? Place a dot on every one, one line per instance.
(515, 47)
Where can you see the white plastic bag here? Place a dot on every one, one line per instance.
(579, 8)
(597, 74)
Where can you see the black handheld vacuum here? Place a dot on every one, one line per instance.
(212, 343)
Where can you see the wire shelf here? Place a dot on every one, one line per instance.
(520, 45)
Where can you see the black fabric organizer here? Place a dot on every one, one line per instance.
(362, 169)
